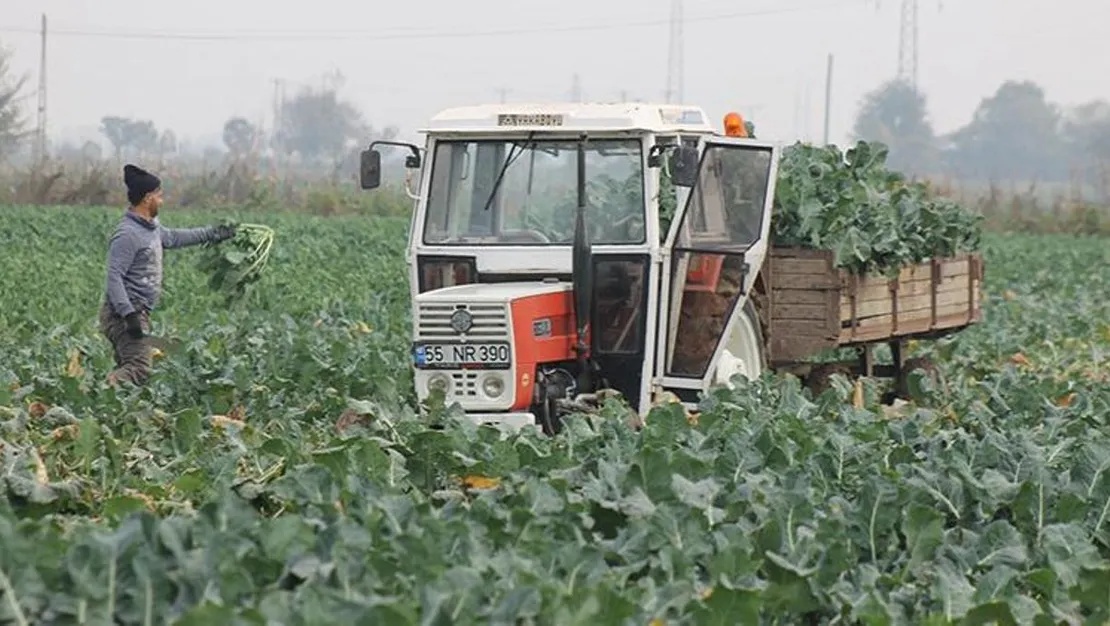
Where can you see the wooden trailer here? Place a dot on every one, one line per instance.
(808, 306)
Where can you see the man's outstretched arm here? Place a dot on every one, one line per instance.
(184, 237)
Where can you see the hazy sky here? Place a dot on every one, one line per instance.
(191, 65)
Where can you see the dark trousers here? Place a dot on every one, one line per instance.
(133, 356)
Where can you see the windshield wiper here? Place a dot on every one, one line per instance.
(504, 168)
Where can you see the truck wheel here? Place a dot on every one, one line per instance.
(743, 353)
(550, 421)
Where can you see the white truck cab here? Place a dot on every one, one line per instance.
(557, 250)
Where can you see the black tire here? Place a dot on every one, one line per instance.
(819, 379)
(902, 383)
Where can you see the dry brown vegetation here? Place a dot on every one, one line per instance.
(241, 184)
(244, 184)
(1033, 208)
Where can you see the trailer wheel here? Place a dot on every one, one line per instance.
(743, 353)
(902, 383)
(819, 379)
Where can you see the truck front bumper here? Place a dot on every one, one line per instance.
(510, 421)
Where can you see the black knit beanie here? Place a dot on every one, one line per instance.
(139, 183)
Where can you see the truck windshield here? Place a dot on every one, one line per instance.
(535, 199)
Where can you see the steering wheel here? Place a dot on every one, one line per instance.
(528, 234)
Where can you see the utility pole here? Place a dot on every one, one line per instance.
(808, 105)
(275, 130)
(40, 129)
(676, 63)
(797, 113)
(278, 104)
(576, 88)
(828, 98)
(503, 93)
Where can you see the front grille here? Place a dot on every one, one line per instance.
(464, 384)
(491, 322)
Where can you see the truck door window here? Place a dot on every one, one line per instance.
(725, 210)
(618, 317)
(724, 217)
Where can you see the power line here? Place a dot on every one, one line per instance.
(907, 42)
(392, 36)
(909, 30)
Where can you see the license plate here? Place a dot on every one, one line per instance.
(492, 356)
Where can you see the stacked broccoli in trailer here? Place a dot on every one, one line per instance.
(871, 218)
(862, 255)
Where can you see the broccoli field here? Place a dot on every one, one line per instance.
(276, 471)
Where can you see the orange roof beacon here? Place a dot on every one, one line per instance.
(734, 125)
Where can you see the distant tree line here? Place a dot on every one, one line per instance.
(1016, 134)
(315, 128)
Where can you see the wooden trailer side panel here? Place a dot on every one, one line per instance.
(812, 306)
(804, 304)
(941, 294)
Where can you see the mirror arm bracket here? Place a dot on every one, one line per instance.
(412, 161)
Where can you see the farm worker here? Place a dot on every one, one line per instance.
(135, 273)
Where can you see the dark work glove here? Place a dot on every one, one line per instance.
(134, 326)
(225, 231)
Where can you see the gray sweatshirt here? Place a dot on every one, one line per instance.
(135, 260)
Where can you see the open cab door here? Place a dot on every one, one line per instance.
(717, 243)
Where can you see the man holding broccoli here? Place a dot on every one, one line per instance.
(135, 273)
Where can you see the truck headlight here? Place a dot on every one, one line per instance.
(493, 386)
(439, 382)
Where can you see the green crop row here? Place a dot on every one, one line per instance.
(276, 470)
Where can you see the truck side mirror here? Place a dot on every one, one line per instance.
(684, 166)
(370, 169)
